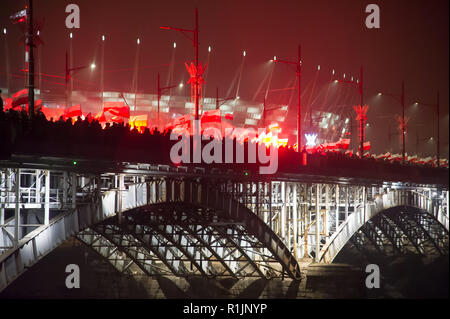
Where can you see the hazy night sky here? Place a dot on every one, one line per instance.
(411, 45)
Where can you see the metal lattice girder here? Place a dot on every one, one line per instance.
(435, 232)
(165, 225)
(375, 236)
(405, 227)
(224, 205)
(392, 233)
(130, 248)
(409, 229)
(107, 250)
(157, 244)
(401, 230)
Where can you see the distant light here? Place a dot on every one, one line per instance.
(209, 49)
(103, 38)
(344, 75)
(244, 54)
(336, 81)
(311, 139)
(379, 94)
(357, 81)
(237, 97)
(4, 30)
(38, 32)
(246, 173)
(174, 45)
(93, 66)
(367, 124)
(74, 162)
(138, 41)
(416, 103)
(318, 68)
(352, 78)
(332, 72)
(70, 35)
(181, 85)
(274, 58)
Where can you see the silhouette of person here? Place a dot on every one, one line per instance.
(1, 101)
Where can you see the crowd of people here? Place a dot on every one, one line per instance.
(87, 139)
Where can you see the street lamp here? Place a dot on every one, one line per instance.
(160, 91)
(403, 122)
(359, 85)
(68, 75)
(299, 116)
(438, 155)
(195, 44)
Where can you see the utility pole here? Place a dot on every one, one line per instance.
(299, 114)
(403, 123)
(196, 64)
(30, 45)
(264, 112)
(160, 90)
(66, 77)
(361, 120)
(438, 133)
(299, 109)
(195, 44)
(159, 97)
(217, 98)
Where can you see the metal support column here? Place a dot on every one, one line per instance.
(38, 186)
(17, 206)
(317, 232)
(295, 218)
(337, 208)
(74, 190)
(121, 189)
(283, 211)
(47, 198)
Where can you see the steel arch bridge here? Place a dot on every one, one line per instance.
(159, 220)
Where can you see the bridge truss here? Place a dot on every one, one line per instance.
(185, 221)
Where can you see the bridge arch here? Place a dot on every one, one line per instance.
(245, 244)
(373, 215)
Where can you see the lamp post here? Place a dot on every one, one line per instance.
(438, 155)
(30, 47)
(220, 101)
(68, 72)
(299, 114)
(160, 91)
(359, 85)
(102, 75)
(403, 120)
(195, 44)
